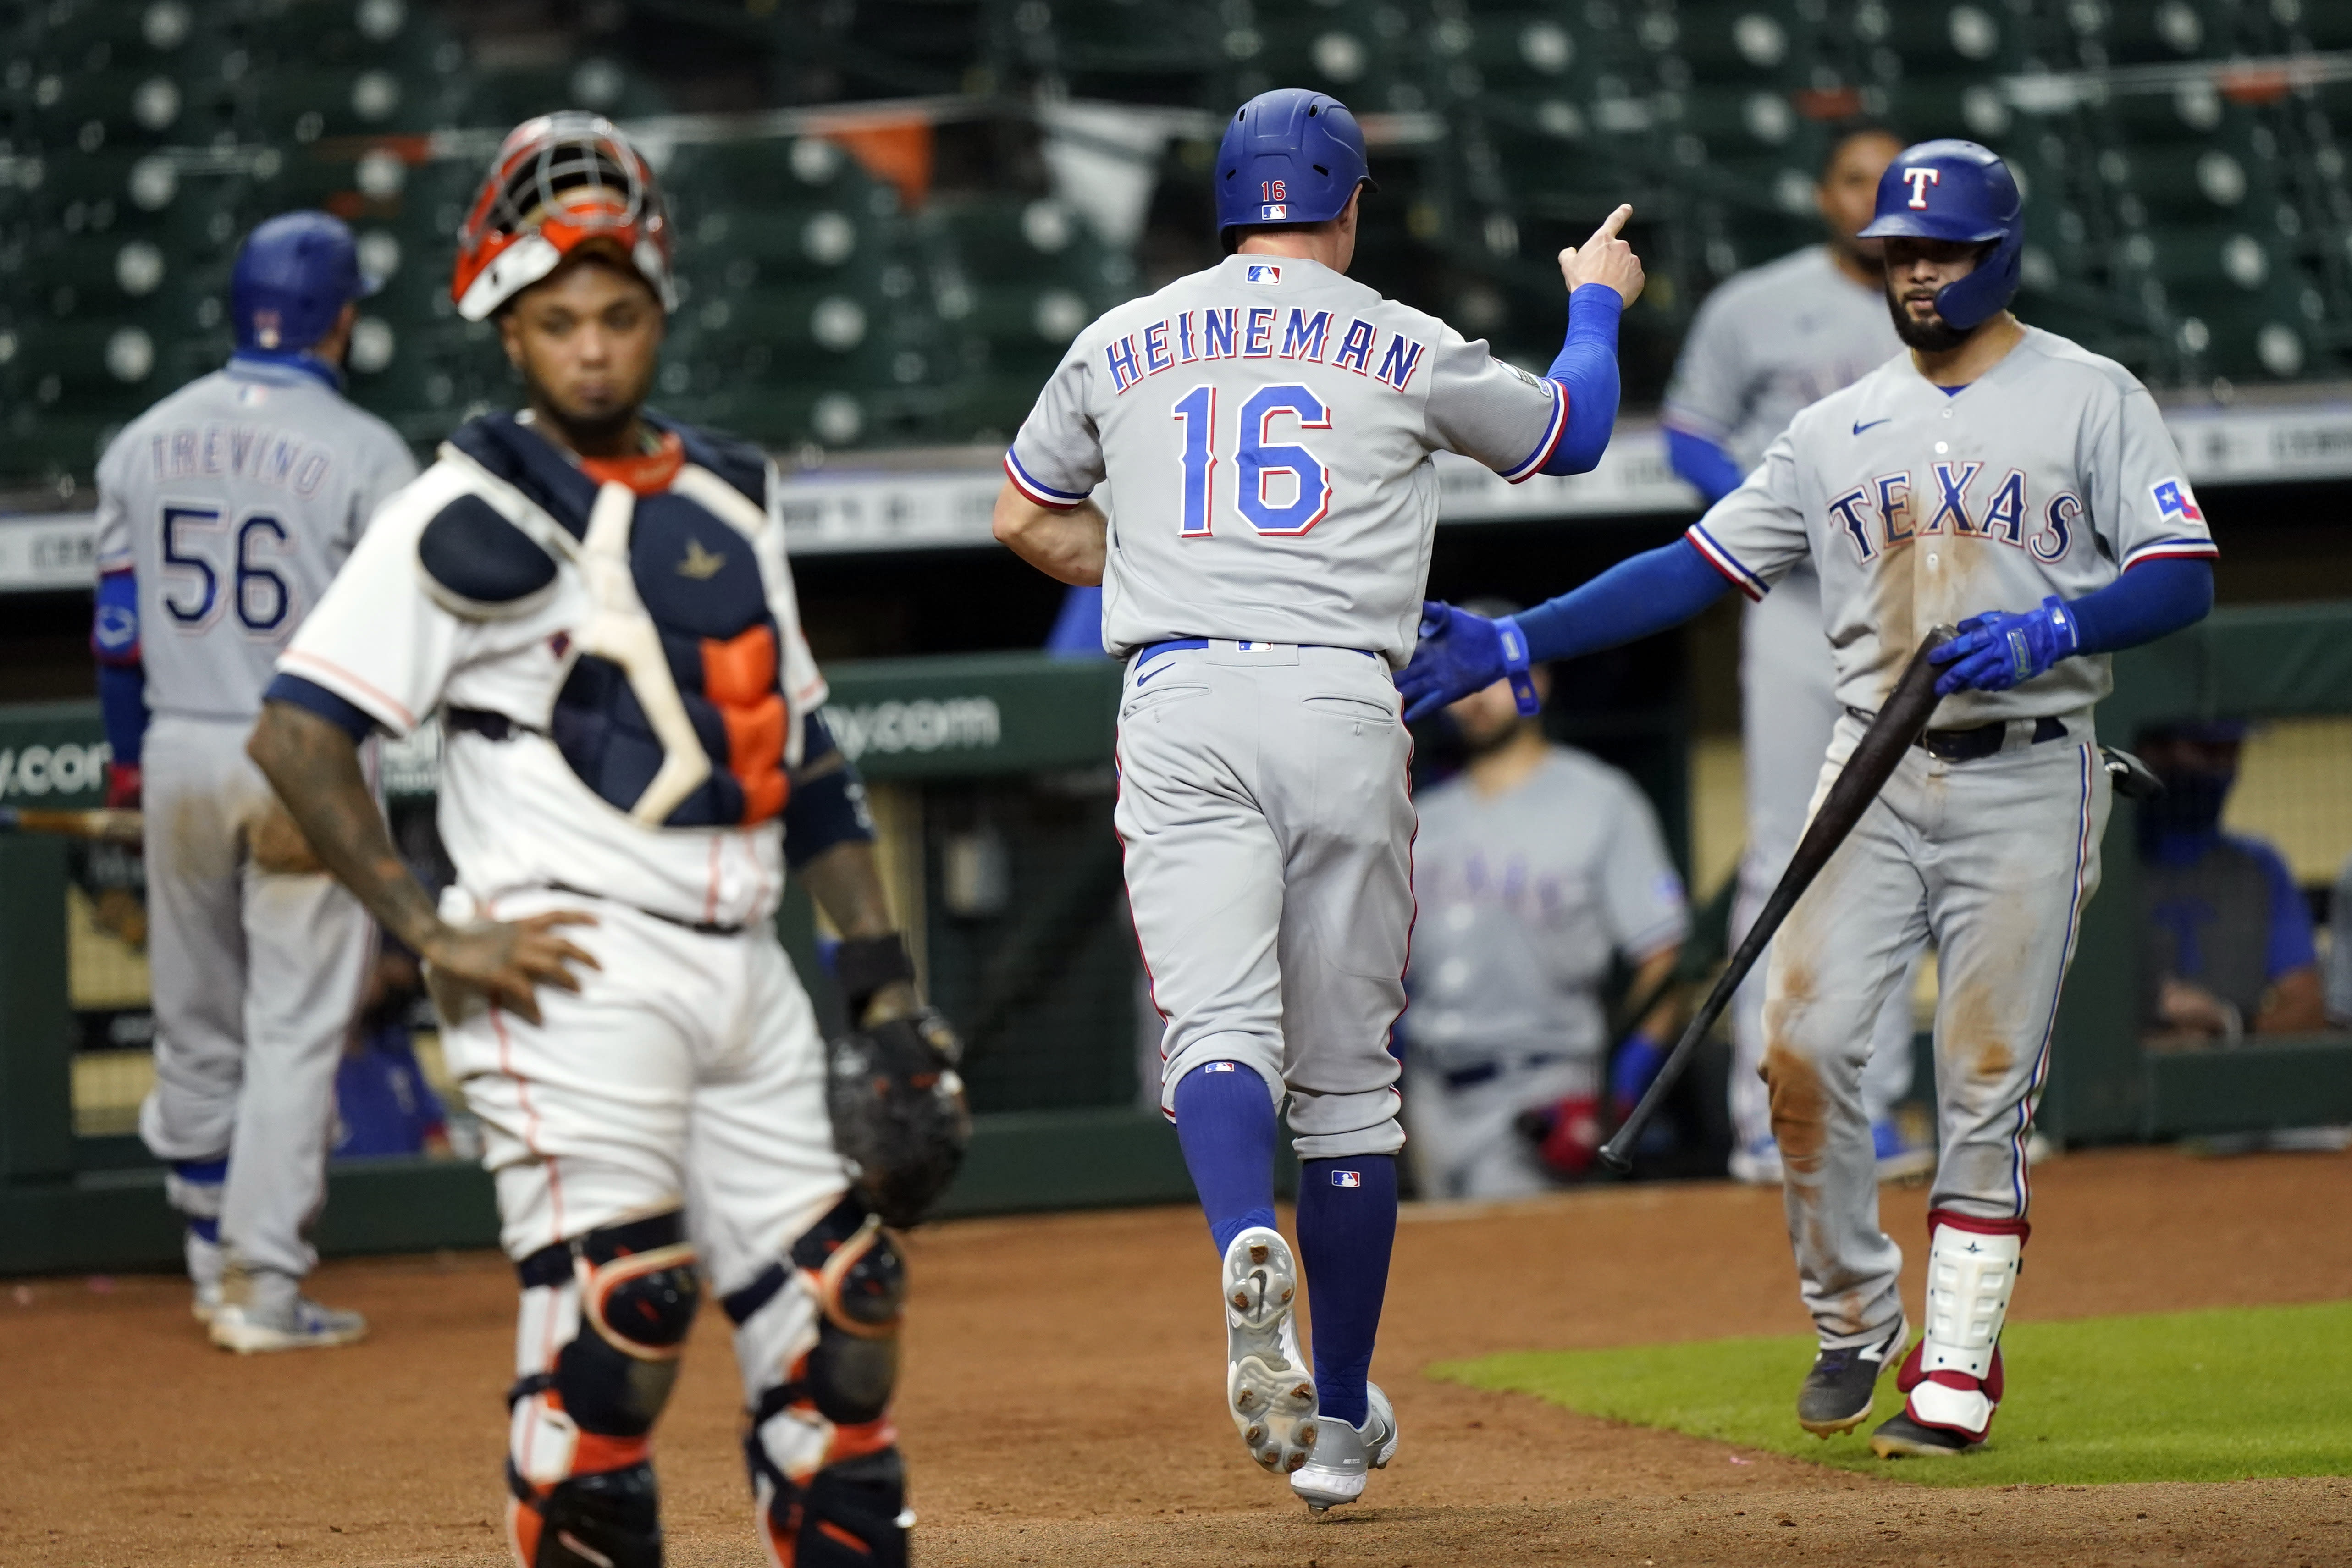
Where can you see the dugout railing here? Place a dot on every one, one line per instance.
(992, 785)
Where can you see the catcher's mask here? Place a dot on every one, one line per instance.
(558, 182)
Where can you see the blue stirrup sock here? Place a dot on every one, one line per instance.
(1224, 1122)
(1346, 1228)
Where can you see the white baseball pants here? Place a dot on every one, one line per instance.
(1994, 859)
(688, 1072)
(1268, 819)
(256, 979)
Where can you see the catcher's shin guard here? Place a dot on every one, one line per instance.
(618, 1301)
(1952, 1378)
(818, 1343)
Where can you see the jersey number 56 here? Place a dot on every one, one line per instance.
(1279, 490)
(194, 599)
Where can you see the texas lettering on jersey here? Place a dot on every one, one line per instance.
(1882, 515)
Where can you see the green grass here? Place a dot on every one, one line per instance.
(2183, 1396)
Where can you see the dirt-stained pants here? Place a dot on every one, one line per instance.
(1993, 859)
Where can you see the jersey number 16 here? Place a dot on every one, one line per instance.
(1263, 471)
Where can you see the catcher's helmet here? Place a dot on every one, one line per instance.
(293, 276)
(1956, 190)
(1289, 156)
(558, 182)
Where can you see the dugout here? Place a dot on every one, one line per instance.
(993, 786)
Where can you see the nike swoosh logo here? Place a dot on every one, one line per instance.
(1859, 427)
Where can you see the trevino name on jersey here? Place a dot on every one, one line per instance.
(2049, 474)
(235, 499)
(1288, 415)
(633, 660)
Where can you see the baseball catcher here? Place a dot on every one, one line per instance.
(595, 600)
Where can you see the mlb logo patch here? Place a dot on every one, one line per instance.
(2173, 498)
(1218, 1067)
(1346, 1178)
(1273, 212)
(1267, 271)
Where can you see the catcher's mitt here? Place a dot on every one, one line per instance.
(898, 1112)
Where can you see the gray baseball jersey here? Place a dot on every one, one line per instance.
(234, 500)
(2049, 474)
(1267, 427)
(1524, 898)
(1769, 342)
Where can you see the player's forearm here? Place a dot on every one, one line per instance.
(1586, 367)
(2147, 602)
(1665, 1019)
(846, 883)
(314, 766)
(1068, 545)
(1704, 466)
(2294, 1005)
(1636, 598)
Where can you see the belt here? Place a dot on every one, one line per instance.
(483, 722)
(1977, 742)
(1477, 1073)
(700, 928)
(1150, 651)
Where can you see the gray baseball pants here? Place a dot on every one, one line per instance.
(1994, 859)
(1268, 819)
(256, 979)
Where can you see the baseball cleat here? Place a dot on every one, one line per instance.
(1756, 1164)
(1344, 1455)
(1900, 1438)
(1269, 1391)
(206, 1264)
(263, 1312)
(1837, 1392)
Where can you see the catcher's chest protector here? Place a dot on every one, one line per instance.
(674, 709)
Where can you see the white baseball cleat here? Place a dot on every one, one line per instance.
(1345, 1456)
(261, 1313)
(1269, 1391)
(206, 1264)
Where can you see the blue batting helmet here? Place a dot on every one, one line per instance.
(1289, 157)
(1956, 190)
(293, 277)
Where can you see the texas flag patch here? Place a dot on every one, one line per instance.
(2174, 498)
(1346, 1178)
(1266, 272)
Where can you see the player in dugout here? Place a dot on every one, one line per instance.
(596, 601)
(1534, 868)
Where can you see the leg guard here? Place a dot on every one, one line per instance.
(1953, 1376)
(818, 1342)
(618, 1303)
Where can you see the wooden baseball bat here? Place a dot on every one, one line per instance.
(1898, 725)
(103, 826)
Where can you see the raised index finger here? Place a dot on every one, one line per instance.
(1612, 223)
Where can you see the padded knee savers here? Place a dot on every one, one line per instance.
(820, 1445)
(583, 1486)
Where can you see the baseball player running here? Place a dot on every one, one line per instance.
(2005, 480)
(223, 512)
(597, 602)
(1765, 344)
(1265, 428)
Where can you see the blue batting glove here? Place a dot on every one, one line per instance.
(1995, 652)
(1460, 652)
(1638, 1062)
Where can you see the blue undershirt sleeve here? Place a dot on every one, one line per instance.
(1636, 598)
(1707, 467)
(123, 706)
(2146, 602)
(1586, 369)
(2291, 946)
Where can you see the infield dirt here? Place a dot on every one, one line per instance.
(1061, 1399)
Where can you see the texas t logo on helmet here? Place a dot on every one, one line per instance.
(558, 182)
(1920, 179)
